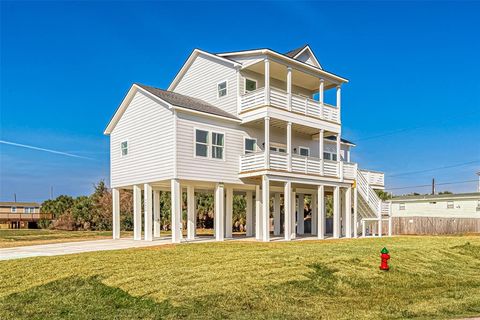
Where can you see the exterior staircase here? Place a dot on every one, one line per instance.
(370, 207)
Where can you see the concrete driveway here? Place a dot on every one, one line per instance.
(56, 249)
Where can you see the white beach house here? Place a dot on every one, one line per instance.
(250, 122)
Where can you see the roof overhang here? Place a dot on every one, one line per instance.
(292, 61)
(195, 53)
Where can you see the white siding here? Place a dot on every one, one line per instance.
(462, 208)
(205, 169)
(201, 80)
(148, 128)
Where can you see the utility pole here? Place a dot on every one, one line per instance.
(14, 197)
(433, 186)
(478, 174)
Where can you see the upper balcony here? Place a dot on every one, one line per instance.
(299, 104)
(270, 85)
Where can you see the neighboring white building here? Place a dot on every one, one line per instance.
(461, 205)
(251, 122)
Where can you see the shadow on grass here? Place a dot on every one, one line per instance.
(77, 298)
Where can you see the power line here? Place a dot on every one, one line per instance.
(429, 185)
(433, 169)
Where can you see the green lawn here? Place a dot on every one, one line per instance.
(430, 277)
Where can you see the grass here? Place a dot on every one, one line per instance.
(430, 278)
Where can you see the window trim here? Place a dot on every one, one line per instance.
(305, 148)
(226, 89)
(255, 147)
(278, 146)
(212, 145)
(121, 149)
(209, 144)
(331, 156)
(13, 209)
(245, 84)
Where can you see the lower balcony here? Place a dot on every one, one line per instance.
(300, 164)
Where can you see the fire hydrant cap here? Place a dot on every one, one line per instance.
(384, 250)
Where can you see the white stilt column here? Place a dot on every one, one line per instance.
(336, 212)
(364, 229)
(219, 212)
(228, 212)
(148, 211)
(355, 212)
(314, 214)
(348, 213)
(115, 213)
(380, 223)
(321, 212)
(287, 208)
(249, 210)
(300, 214)
(276, 215)
(191, 213)
(137, 213)
(156, 214)
(265, 208)
(258, 213)
(176, 215)
(293, 206)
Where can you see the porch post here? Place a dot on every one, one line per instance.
(115, 213)
(314, 214)
(390, 226)
(289, 146)
(147, 200)
(320, 96)
(267, 81)
(156, 214)
(219, 212)
(339, 99)
(355, 212)
(258, 213)
(289, 88)
(364, 231)
(380, 220)
(276, 215)
(228, 212)
(265, 208)
(137, 213)
(321, 212)
(287, 208)
(191, 213)
(336, 212)
(249, 209)
(348, 213)
(300, 214)
(320, 149)
(293, 206)
(267, 143)
(176, 215)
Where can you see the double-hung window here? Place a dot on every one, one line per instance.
(217, 145)
(124, 147)
(250, 145)
(303, 151)
(330, 156)
(222, 89)
(201, 143)
(209, 144)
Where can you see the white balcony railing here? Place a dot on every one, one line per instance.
(374, 178)
(300, 104)
(307, 165)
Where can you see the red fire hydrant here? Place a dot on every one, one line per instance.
(384, 256)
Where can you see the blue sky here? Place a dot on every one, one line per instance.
(412, 104)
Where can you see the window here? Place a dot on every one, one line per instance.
(450, 205)
(278, 148)
(13, 209)
(201, 143)
(29, 210)
(217, 145)
(124, 147)
(222, 89)
(478, 205)
(402, 206)
(303, 151)
(250, 145)
(250, 85)
(330, 156)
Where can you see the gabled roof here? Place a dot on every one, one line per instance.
(171, 99)
(294, 52)
(187, 102)
(299, 51)
(195, 53)
(334, 138)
